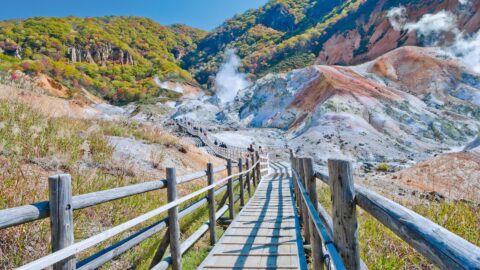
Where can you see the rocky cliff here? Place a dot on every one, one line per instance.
(405, 105)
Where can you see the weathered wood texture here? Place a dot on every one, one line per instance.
(61, 217)
(188, 243)
(345, 226)
(240, 178)
(249, 187)
(231, 204)
(440, 246)
(161, 249)
(305, 216)
(115, 250)
(254, 179)
(211, 205)
(173, 224)
(315, 240)
(96, 239)
(334, 257)
(28, 213)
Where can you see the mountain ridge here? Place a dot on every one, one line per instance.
(116, 57)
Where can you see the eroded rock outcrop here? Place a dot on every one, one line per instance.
(100, 54)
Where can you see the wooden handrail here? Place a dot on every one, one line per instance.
(231, 152)
(94, 240)
(98, 259)
(188, 243)
(39, 210)
(320, 227)
(440, 246)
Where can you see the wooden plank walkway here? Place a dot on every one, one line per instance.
(266, 233)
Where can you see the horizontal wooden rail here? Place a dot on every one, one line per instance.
(94, 240)
(188, 243)
(320, 226)
(100, 258)
(442, 247)
(28, 213)
(228, 152)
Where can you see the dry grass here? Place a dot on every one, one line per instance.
(34, 146)
(381, 249)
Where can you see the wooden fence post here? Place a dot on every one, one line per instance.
(211, 206)
(299, 196)
(306, 219)
(294, 179)
(345, 233)
(231, 199)
(242, 195)
(259, 175)
(61, 217)
(249, 188)
(311, 187)
(253, 170)
(173, 225)
(162, 248)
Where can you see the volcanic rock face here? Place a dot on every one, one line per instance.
(403, 106)
(367, 32)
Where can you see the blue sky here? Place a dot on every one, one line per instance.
(204, 14)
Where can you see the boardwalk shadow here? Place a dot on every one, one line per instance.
(272, 246)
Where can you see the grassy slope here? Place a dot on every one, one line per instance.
(34, 146)
(45, 44)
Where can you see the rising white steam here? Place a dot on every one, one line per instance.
(431, 27)
(467, 49)
(167, 85)
(229, 80)
(397, 17)
(434, 24)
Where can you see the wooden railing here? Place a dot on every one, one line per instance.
(227, 152)
(61, 205)
(335, 239)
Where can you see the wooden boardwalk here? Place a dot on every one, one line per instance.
(266, 233)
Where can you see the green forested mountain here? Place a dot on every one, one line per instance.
(279, 36)
(116, 57)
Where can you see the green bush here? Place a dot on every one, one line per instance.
(383, 167)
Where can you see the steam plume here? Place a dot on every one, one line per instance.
(166, 85)
(397, 17)
(431, 27)
(229, 80)
(434, 24)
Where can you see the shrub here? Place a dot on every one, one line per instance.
(383, 167)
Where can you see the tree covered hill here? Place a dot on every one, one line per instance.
(116, 57)
(280, 36)
(288, 34)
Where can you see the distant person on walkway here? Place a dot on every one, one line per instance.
(250, 148)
